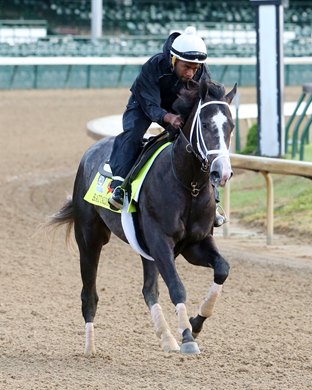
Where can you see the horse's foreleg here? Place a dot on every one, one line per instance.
(188, 345)
(167, 341)
(151, 293)
(165, 263)
(206, 254)
(206, 308)
(207, 305)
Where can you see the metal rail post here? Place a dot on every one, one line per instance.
(291, 119)
(269, 203)
(236, 101)
(305, 137)
(297, 126)
(270, 207)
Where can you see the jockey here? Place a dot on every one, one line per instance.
(152, 95)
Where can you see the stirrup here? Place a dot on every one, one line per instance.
(116, 200)
(220, 217)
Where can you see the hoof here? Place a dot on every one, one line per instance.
(190, 348)
(170, 349)
(169, 344)
(88, 352)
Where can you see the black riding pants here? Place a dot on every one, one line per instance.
(126, 147)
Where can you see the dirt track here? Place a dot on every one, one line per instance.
(260, 336)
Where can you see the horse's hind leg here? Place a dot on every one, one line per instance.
(151, 293)
(91, 234)
(206, 254)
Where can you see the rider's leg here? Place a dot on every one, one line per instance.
(126, 148)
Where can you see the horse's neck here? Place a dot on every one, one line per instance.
(188, 124)
(186, 165)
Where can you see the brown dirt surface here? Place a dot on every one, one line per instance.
(260, 336)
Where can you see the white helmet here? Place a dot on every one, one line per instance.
(189, 47)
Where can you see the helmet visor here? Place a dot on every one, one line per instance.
(190, 55)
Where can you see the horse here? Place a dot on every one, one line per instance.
(175, 214)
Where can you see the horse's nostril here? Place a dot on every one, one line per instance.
(232, 173)
(214, 177)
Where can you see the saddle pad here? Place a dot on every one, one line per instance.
(99, 192)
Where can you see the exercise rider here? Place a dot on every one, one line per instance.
(152, 95)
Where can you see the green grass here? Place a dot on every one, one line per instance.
(292, 197)
(292, 202)
(307, 153)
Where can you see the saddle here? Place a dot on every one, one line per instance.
(149, 147)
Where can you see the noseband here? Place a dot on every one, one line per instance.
(203, 151)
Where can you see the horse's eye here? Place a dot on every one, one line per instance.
(205, 125)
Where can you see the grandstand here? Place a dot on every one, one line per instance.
(138, 28)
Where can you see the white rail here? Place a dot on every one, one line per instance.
(266, 166)
(5, 61)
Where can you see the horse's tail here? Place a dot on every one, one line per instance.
(64, 216)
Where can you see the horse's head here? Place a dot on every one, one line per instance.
(209, 126)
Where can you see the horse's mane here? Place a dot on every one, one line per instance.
(191, 93)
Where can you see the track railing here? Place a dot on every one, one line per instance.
(112, 125)
(266, 166)
(120, 71)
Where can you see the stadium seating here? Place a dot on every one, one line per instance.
(139, 27)
(146, 16)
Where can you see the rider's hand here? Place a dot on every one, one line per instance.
(174, 120)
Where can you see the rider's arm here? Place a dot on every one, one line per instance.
(147, 93)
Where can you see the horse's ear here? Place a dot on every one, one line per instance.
(203, 88)
(229, 97)
(191, 85)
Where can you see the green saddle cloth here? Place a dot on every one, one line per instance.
(99, 191)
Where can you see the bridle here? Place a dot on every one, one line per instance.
(203, 152)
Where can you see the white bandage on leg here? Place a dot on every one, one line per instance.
(206, 307)
(183, 321)
(159, 320)
(89, 346)
(167, 341)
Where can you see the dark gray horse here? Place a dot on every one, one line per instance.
(175, 214)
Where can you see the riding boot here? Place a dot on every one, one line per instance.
(220, 217)
(116, 200)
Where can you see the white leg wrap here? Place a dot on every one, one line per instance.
(90, 346)
(183, 321)
(167, 341)
(206, 307)
(159, 320)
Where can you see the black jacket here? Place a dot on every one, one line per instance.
(157, 85)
